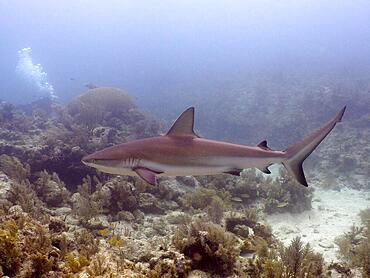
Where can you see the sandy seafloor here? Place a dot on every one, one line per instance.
(333, 213)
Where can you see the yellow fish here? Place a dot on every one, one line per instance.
(103, 231)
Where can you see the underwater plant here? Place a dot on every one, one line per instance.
(295, 261)
(209, 247)
(85, 204)
(25, 247)
(22, 194)
(9, 250)
(98, 266)
(300, 261)
(201, 197)
(13, 167)
(354, 246)
(282, 194)
(51, 189)
(117, 195)
(285, 194)
(215, 210)
(239, 224)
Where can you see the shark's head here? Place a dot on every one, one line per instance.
(114, 160)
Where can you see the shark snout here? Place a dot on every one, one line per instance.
(88, 159)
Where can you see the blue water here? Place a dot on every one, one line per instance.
(175, 52)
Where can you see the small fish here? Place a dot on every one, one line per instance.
(91, 85)
(103, 231)
(112, 240)
(118, 243)
(236, 199)
(283, 204)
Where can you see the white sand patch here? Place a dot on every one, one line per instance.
(332, 214)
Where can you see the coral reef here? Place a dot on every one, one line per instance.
(282, 194)
(59, 218)
(51, 137)
(111, 113)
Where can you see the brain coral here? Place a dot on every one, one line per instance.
(99, 105)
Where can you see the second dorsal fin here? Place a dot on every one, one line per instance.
(184, 125)
(263, 145)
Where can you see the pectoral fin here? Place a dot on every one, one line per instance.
(146, 174)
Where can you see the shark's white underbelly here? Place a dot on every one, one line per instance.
(210, 166)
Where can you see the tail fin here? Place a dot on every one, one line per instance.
(299, 151)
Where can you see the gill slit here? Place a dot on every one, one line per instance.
(131, 162)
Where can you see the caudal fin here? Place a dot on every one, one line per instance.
(299, 151)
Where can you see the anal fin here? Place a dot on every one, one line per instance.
(235, 172)
(265, 170)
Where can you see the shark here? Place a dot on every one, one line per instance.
(181, 152)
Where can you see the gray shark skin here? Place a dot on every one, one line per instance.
(182, 152)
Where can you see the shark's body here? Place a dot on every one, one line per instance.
(181, 152)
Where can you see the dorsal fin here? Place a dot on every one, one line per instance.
(184, 125)
(263, 145)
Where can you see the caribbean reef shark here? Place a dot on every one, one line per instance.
(182, 152)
